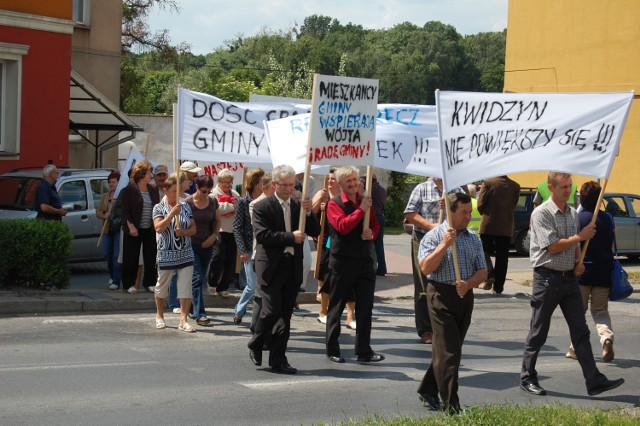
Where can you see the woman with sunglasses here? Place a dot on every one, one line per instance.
(206, 215)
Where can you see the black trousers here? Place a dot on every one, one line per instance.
(499, 247)
(131, 254)
(350, 277)
(274, 323)
(379, 245)
(420, 303)
(450, 318)
(551, 289)
(223, 262)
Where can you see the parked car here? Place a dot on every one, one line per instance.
(80, 191)
(625, 209)
(521, 218)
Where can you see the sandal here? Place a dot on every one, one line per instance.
(160, 323)
(187, 328)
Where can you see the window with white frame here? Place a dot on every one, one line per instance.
(10, 96)
(81, 12)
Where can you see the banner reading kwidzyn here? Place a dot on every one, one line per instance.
(491, 134)
(343, 120)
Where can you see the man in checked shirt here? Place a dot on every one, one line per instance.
(450, 301)
(423, 212)
(555, 251)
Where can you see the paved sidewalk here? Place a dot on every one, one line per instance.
(88, 293)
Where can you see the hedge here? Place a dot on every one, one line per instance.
(34, 252)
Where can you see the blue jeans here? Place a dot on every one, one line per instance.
(173, 292)
(110, 251)
(201, 259)
(250, 288)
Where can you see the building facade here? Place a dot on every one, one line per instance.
(579, 46)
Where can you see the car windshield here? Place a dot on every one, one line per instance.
(18, 192)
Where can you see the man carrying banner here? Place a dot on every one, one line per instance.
(555, 254)
(451, 302)
(423, 212)
(351, 268)
(278, 266)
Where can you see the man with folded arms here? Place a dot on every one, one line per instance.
(555, 250)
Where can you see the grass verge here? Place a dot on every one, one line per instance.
(512, 415)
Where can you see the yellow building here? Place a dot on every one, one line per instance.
(579, 46)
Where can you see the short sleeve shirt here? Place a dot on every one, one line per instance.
(468, 249)
(47, 194)
(424, 200)
(173, 252)
(548, 225)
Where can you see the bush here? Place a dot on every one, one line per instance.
(34, 252)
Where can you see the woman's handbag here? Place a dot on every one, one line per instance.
(620, 287)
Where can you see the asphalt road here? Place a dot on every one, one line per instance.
(117, 369)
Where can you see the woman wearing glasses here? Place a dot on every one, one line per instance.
(206, 215)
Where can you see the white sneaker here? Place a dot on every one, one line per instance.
(322, 319)
(177, 311)
(114, 287)
(352, 325)
(132, 290)
(110, 281)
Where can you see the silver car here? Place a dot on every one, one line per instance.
(625, 209)
(80, 191)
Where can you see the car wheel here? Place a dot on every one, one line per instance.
(522, 243)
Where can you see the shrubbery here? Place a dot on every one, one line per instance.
(34, 252)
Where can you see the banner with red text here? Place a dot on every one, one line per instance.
(343, 120)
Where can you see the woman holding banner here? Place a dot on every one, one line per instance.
(595, 282)
(111, 213)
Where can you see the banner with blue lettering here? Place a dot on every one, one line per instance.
(490, 134)
(343, 120)
(406, 139)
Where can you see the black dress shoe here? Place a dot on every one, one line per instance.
(607, 385)
(431, 400)
(372, 357)
(256, 357)
(284, 368)
(532, 387)
(336, 358)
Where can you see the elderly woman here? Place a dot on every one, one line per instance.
(223, 265)
(243, 232)
(174, 224)
(595, 282)
(138, 199)
(111, 214)
(206, 216)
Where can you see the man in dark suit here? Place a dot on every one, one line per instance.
(497, 201)
(278, 265)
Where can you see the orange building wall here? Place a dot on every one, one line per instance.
(579, 46)
(62, 9)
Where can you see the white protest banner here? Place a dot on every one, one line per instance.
(491, 134)
(213, 130)
(134, 155)
(406, 139)
(343, 120)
